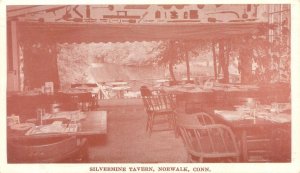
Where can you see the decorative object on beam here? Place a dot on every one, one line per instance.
(174, 14)
(30, 10)
(248, 7)
(136, 7)
(166, 7)
(225, 12)
(200, 6)
(213, 20)
(244, 15)
(179, 21)
(157, 14)
(109, 7)
(33, 19)
(179, 6)
(142, 17)
(121, 15)
(185, 15)
(88, 11)
(68, 16)
(53, 10)
(193, 14)
(255, 10)
(77, 12)
(88, 15)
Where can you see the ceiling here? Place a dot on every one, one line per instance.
(121, 23)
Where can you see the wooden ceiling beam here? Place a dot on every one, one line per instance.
(15, 12)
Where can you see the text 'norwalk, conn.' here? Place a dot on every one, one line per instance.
(150, 169)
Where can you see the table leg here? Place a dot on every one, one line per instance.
(244, 146)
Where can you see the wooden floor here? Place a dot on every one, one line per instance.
(128, 142)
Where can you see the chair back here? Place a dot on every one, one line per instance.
(41, 151)
(158, 102)
(204, 118)
(211, 141)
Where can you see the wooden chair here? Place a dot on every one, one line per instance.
(56, 150)
(87, 102)
(159, 105)
(200, 118)
(209, 143)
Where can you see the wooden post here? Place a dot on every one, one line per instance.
(170, 54)
(187, 62)
(215, 60)
(221, 56)
(13, 73)
(227, 58)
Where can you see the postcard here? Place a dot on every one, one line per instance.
(179, 86)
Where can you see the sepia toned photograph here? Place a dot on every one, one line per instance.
(148, 84)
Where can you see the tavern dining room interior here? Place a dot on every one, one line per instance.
(148, 83)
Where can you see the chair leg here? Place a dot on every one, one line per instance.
(152, 116)
(148, 122)
(200, 159)
(173, 124)
(177, 132)
(169, 117)
(189, 158)
(237, 159)
(173, 121)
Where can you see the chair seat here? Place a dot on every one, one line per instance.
(205, 148)
(163, 111)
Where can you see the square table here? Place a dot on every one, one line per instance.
(244, 125)
(94, 123)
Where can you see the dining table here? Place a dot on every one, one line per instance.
(244, 120)
(194, 88)
(202, 97)
(120, 90)
(74, 98)
(210, 96)
(26, 104)
(117, 83)
(61, 124)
